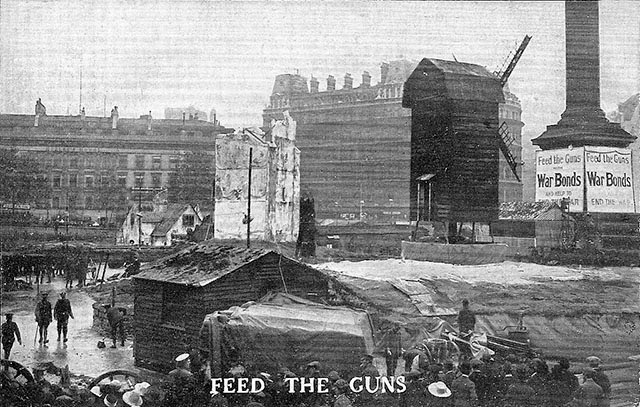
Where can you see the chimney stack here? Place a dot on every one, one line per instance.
(314, 84)
(348, 81)
(331, 83)
(384, 72)
(183, 117)
(149, 118)
(366, 79)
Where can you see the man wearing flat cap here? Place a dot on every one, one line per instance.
(600, 377)
(589, 393)
(10, 333)
(43, 317)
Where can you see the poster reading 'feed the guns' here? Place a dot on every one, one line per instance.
(609, 180)
(603, 172)
(559, 175)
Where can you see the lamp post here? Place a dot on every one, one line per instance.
(361, 214)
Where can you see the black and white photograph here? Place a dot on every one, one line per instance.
(307, 203)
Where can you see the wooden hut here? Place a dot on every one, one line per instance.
(526, 225)
(454, 141)
(174, 294)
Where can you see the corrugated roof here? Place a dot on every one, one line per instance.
(199, 265)
(525, 210)
(169, 218)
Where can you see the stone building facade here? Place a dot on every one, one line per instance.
(82, 154)
(275, 183)
(355, 142)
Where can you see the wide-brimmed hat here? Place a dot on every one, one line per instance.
(132, 398)
(314, 364)
(182, 357)
(439, 389)
(113, 386)
(142, 388)
(64, 400)
(95, 390)
(111, 400)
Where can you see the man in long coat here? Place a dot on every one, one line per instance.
(10, 332)
(62, 311)
(43, 317)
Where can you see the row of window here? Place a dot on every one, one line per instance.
(508, 114)
(90, 202)
(109, 161)
(90, 181)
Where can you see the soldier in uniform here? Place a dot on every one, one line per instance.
(43, 317)
(10, 333)
(62, 311)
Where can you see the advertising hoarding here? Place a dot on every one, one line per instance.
(559, 175)
(609, 180)
(602, 175)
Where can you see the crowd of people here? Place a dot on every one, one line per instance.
(457, 380)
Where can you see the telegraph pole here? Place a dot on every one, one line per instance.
(249, 201)
(139, 214)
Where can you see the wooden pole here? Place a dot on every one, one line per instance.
(106, 261)
(249, 200)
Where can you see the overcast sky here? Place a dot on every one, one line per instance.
(147, 55)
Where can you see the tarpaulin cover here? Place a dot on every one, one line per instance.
(285, 330)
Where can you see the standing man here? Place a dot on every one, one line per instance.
(183, 368)
(600, 378)
(116, 322)
(10, 333)
(62, 311)
(463, 389)
(393, 350)
(43, 317)
(466, 319)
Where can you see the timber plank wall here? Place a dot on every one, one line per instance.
(161, 337)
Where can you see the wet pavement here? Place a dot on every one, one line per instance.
(80, 352)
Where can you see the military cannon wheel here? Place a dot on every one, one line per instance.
(123, 376)
(16, 372)
(441, 349)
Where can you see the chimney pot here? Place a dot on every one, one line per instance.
(366, 79)
(348, 81)
(331, 83)
(314, 84)
(384, 72)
